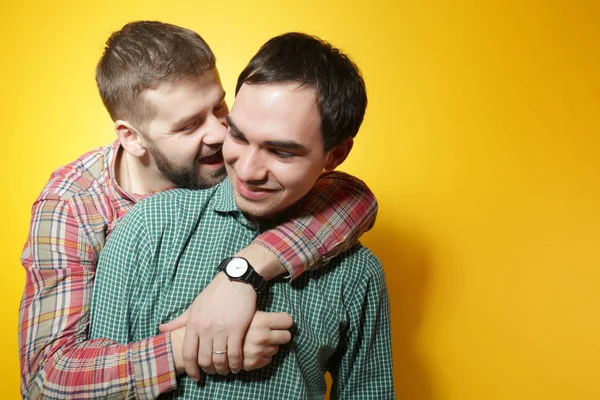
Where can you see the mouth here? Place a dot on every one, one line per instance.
(215, 160)
(252, 193)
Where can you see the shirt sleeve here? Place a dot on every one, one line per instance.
(330, 220)
(57, 360)
(362, 369)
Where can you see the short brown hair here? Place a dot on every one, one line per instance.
(141, 56)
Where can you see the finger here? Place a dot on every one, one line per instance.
(190, 353)
(269, 351)
(220, 361)
(205, 355)
(279, 336)
(235, 353)
(279, 320)
(261, 362)
(177, 323)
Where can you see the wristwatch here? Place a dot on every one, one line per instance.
(239, 269)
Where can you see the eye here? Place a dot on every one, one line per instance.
(187, 128)
(235, 136)
(282, 154)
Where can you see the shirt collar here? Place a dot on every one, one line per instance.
(225, 199)
(116, 153)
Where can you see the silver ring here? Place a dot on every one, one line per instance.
(220, 352)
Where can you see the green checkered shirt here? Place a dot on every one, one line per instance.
(166, 250)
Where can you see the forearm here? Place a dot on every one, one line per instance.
(57, 360)
(101, 369)
(330, 220)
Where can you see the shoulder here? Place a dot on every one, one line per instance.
(361, 270)
(361, 261)
(169, 208)
(79, 176)
(175, 202)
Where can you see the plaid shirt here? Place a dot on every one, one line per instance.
(76, 211)
(149, 273)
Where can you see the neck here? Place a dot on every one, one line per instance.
(139, 175)
(269, 221)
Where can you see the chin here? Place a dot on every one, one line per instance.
(253, 210)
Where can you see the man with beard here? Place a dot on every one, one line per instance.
(299, 103)
(161, 87)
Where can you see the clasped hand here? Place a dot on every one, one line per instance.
(223, 318)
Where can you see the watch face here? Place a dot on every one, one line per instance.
(236, 267)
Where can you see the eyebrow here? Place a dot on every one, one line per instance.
(186, 120)
(280, 144)
(233, 126)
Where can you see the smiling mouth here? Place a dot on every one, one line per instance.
(216, 158)
(252, 193)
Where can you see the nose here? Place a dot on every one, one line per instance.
(250, 166)
(216, 129)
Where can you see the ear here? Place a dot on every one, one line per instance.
(131, 139)
(338, 154)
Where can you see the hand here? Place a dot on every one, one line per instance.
(217, 320)
(267, 332)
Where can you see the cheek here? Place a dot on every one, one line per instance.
(187, 147)
(304, 176)
(182, 152)
(230, 150)
(294, 177)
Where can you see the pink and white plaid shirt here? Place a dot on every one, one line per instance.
(75, 212)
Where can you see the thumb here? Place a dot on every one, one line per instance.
(177, 323)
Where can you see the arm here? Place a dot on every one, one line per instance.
(362, 367)
(331, 218)
(57, 360)
(130, 269)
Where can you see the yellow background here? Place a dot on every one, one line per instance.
(480, 141)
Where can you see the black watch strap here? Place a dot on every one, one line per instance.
(256, 280)
(250, 276)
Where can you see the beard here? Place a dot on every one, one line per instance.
(186, 177)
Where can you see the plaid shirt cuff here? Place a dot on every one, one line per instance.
(297, 255)
(154, 367)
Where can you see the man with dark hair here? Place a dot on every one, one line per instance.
(299, 103)
(161, 87)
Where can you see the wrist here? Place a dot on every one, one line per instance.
(241, 288)
(239, 269)
(262, 260)
(176, 339)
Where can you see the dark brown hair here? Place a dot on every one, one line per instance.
(308, 60)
